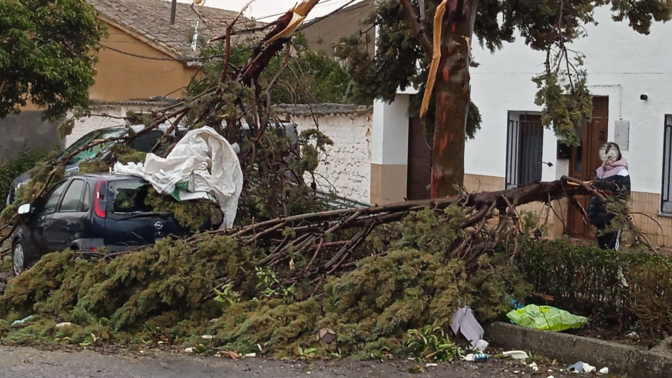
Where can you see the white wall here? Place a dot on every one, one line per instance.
(621, 64)
(346, 166)
(87, 124)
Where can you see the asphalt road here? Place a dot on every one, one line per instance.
(20, 362)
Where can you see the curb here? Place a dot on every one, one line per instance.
(619, 358)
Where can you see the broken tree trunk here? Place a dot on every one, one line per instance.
(452, 93)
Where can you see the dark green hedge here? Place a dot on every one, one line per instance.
(586, 281)
(12, 168)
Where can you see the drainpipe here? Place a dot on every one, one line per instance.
(173, 8)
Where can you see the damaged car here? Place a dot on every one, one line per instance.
(87, 212)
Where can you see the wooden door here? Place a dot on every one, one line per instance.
(419, 162)
(583, 162)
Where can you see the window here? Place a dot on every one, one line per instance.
(90, 138)
(53, 198)
(72, 197)
(86, 200)
(145, 142)
(130, 196)
(666, 190)
(524, 148)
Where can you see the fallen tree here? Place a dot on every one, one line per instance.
(292, 265)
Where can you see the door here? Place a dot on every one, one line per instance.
(583, 162)
(68, 223)
(40, 223)
(419, 161)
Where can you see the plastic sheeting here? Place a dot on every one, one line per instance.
(546, 318)
(202, 162)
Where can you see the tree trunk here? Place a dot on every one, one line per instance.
(452, 93)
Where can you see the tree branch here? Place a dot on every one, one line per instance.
(417, 26)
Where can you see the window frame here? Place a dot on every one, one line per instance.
(666, 174)
(514, 160)
(78, 209)
(51, 192)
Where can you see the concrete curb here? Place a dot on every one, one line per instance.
(620, 359)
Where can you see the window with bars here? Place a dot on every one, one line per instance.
(524, 149)
(666, 190)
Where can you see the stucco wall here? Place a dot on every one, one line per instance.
(346, 166)
(123, 77)
(622, 70)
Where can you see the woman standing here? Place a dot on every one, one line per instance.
(612, 176)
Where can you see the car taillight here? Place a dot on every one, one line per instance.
(99, 199)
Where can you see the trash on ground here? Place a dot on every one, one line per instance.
(207, 337)
(431, 365)
(632, 335)
(250, 355)
(326, 336)
(516, 354)
(581, 367)
(23, 321)
(481, 345)
(201, 164)
(546, 318)
(534, 366)
(476, 357)
(465, 322)
(231, 354)
(64, 324)
(604, 370)
(190, 350)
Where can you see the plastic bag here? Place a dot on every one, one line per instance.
(546, 318)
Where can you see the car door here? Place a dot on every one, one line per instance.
(69, 221)
(42, 217)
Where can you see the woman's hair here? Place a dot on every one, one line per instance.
(610, 152)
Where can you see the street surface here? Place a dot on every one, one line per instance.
(21, 362)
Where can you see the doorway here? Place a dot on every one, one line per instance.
(419, 161)
(584, 160)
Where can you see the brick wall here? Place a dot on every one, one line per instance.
(346, 166)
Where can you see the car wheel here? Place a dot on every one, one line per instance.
(18, 257)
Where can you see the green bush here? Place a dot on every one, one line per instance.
(12, 168)
(631, 288)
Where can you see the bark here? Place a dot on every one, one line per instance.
(452, 92)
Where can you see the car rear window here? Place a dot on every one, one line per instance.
(129, 196)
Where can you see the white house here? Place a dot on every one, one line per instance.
(630, 76)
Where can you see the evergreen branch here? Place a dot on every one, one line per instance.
(417, 26)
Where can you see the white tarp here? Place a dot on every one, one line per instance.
(204, 160)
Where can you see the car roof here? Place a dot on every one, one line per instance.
(105, 176)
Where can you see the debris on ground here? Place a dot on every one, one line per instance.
(465, 322)
(514, 354)
(546, 318)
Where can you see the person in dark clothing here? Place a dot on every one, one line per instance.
(612, 176)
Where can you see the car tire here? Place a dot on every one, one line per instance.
(18, 257)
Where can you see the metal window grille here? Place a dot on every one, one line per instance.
(666, 192)
(524, 149)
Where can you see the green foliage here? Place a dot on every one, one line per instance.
(13, 168)
(545, 25)
(46, 54)
(176, 293)
(564, 107)
(310, 76)
(632, 288)
(43, 177)
(191, 214)
(431, 343)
